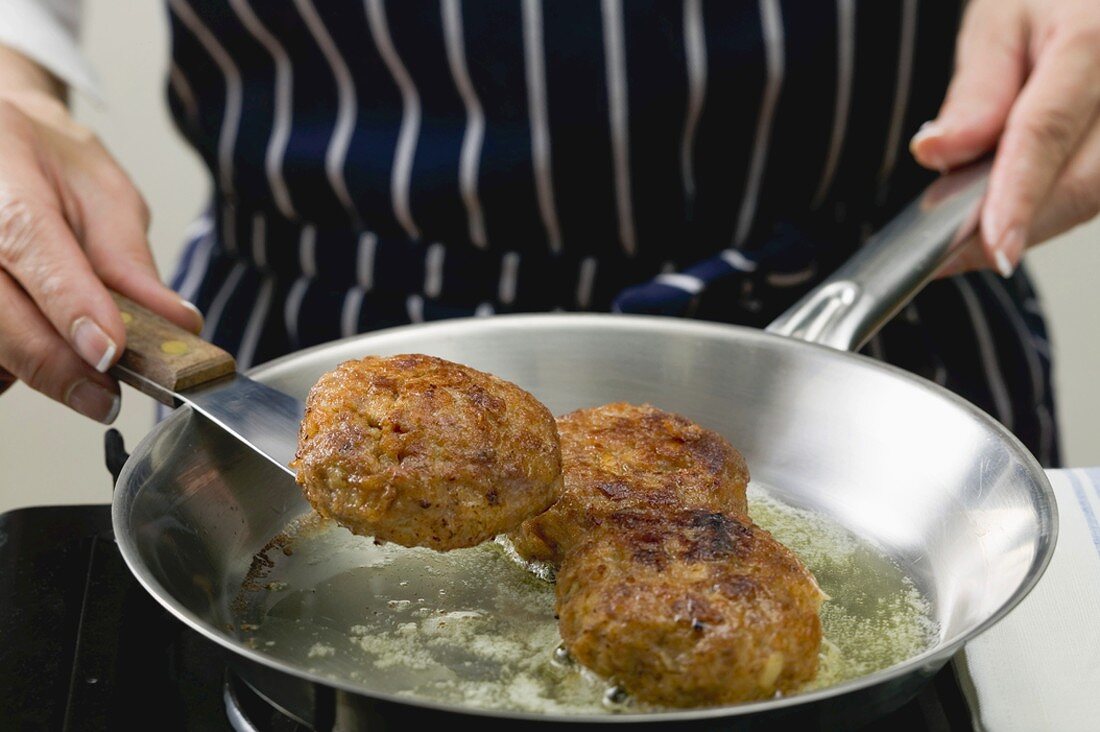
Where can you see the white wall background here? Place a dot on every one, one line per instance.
(50, 455)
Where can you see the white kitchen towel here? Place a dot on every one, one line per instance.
(1039, 668)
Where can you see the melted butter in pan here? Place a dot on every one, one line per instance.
(474, 626)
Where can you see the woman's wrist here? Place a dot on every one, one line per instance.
(37, 93)
(22, 78)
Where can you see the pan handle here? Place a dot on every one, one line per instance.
(852, 304)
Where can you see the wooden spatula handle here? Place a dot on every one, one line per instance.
(165, 354)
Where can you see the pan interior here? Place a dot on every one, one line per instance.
(426, 625)
(931, 484)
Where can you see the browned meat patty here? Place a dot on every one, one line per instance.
(664, 585)
(626, 457)
(425, 452)
(689, 608)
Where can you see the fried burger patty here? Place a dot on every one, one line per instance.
(664, 585)
(425, 452)
(689, 608)
(622, 456)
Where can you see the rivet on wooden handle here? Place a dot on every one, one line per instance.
(166, 354)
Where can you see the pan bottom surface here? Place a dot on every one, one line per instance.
(476, 627)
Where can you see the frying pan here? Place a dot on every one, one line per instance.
(948, 494)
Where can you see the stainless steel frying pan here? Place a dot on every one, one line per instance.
(948, 494)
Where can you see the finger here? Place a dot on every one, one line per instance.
(6, 380)
(37, 248)
(1046, 124)
(113, 219)
(991, 62)
(971, 256)
(1074, 200)
(34, 353)
(1076, 195)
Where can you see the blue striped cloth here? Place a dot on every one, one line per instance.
(380, 163)
(788, 259)
(1039, 668)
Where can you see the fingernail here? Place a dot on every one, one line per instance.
(199, 319)
(93, 400)
(927, 131)
(1008, 250)
(93, 345)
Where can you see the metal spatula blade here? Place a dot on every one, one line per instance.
(174, 367)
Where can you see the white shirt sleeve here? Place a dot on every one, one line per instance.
(46, 31)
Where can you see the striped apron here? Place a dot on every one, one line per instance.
(379, 163)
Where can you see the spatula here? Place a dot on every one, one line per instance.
(175, 367)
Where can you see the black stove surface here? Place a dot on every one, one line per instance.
(84, 647)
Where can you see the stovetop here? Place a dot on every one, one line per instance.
(84, 647)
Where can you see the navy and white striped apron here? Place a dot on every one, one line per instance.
(379, 163)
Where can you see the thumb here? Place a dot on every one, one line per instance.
(990, 68)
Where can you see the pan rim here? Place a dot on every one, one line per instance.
(928, 661)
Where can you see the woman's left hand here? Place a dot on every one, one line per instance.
(1027, 81)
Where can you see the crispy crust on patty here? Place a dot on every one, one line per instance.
(664, 585)
(689, 608)
(622, 456)
(426, 452)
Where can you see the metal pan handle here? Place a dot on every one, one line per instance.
(850, 306)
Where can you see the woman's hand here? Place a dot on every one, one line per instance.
(71, 225)
(1027, 81)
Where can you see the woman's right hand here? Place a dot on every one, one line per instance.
(71, 225)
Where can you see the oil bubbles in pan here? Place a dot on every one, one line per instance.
(476, 626)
